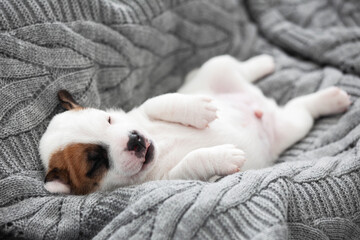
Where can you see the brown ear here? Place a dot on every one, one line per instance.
(61, 175)
(57, 181)
(67, 101)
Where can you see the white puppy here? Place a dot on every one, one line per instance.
(218, 124)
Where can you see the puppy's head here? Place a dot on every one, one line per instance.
(82, 147)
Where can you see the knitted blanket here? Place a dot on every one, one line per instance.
(117, 53)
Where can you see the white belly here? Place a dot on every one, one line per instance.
(236, 124)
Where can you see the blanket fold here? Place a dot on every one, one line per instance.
(112, 53)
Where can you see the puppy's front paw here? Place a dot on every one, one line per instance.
(201, 112)
(230, 159)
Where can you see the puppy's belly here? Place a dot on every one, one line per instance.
(241, 101)
(247, 110)
(236, 124)
(252, 132)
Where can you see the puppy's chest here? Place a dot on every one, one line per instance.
(174, 141)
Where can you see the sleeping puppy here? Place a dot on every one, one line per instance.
(217, 124)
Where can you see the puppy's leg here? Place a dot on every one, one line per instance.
(257, 67)
(297, 117)
(205, 163)
(195, 111)
(224, 74)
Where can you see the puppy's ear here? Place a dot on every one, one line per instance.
(58, 181)
(67, 101)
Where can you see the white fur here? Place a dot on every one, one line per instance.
(209, 128)
(57, 186)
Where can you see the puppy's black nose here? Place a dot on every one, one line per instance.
(136, 142)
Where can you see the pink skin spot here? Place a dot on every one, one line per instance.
(258, 114)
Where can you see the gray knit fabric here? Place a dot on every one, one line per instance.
(120, 52)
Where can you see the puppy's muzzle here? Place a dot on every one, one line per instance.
(142, 147)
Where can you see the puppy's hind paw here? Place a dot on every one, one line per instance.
(267, 62)
(335, 100)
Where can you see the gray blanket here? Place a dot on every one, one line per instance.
(120, 52)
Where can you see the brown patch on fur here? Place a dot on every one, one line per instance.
(81, 166)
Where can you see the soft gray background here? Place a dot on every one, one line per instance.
(118, 53)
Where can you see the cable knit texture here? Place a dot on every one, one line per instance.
(117, 53)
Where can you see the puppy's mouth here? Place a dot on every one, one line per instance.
(149, 155)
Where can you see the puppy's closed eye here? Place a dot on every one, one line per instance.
(97, 159)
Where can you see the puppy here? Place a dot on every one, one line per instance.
(217, 124)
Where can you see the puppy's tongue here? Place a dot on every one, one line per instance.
(147, 145)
